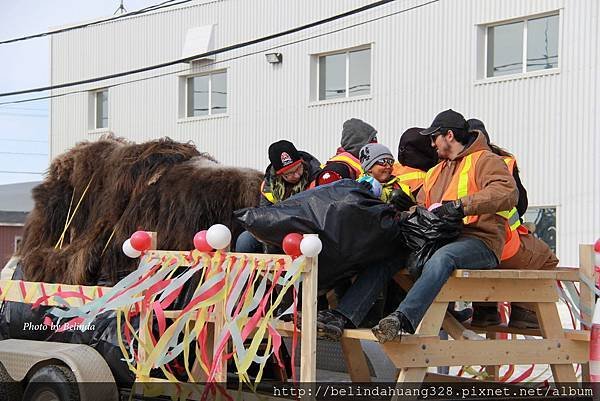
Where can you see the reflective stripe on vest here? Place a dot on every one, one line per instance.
(512, 215)
(350, 161)
(267, 194)
(463, 184)
(410, 176)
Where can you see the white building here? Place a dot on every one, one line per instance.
(528, 68)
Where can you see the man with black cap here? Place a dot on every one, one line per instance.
(474, 185)
(346, 164)
(291, 171)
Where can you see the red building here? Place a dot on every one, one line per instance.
(15, 204)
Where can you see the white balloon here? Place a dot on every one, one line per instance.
(218, 236)
(311, 245)
(129, 250)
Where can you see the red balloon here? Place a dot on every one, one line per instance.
(141, 241)
(291, 244)
(200, 242)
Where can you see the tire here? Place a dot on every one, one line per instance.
(10, 390)
(52, 383)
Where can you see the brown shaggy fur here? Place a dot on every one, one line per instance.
(162, 186)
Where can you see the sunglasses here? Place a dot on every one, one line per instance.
(385, 162)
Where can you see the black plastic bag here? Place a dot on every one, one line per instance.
(425, 233)
(356, 228)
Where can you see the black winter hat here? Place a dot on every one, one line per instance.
(446, 119)
(283, 156)
(356, 134)
(477, 125)
(415, 150)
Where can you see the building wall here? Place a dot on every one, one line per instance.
(7, 242)
(423, 61)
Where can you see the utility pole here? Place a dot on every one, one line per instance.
(121, 9)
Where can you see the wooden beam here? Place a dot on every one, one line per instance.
(308, 335)
(356, 362)
(488, 352)
(562, 274)
(494, 290)
(587, 298)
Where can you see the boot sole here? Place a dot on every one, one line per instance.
(327, 333)
(383, 331)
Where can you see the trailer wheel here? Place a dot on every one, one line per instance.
(10, 390)
(52, 383)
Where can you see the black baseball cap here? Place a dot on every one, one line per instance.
(446, 119)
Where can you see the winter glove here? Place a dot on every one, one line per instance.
(366, 185)
(401, 201)
(401, 217)
(450, 210)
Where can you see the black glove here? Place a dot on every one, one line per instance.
(401, 217)
(401, 200)
(451, 210)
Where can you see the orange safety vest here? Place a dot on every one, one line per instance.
(349, 160)
(413, 177)
(463, 183)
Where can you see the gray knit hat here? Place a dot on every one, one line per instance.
(371, 153)
(356, 134)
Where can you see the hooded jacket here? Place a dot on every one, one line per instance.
(311, 170)
(356, 134)
(497, 192)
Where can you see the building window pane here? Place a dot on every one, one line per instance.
(542, 222)
(332, 76)
(505, 49)
(542, 43)
(360, 73)
(344, 74)
(219, 93)
(198, 88)
(102, 109)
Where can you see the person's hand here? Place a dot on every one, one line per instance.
(366, 185)
(401, 217)
(401, 201)
(450, 210)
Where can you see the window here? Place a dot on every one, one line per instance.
(18, 240)
(542, 222)
(101, 109)
(522, 46)
(345, 74)
(207, 94)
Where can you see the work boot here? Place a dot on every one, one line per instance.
(522, 318)
(460, 315)
(391, 327)
(484, 316)
(330, 324)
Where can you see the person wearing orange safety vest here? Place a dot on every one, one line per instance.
(474, 186)
(415, 158)
(355, 134)
(529, 253)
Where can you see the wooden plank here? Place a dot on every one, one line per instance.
(308, 335)
(356, 362)
(504, 329)
(551, 327)
(493, 371)
(488, 352)
(587, 298)
(429, 326)
(457, 331)
(258, 256)
(562, 274)
(494, 290)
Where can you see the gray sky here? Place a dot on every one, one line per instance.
(24, 127)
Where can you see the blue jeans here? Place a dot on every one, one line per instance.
(361, 296)
(464, 253)
(246, 243)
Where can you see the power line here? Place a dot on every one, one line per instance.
(71, 28)
(278, 46)
(22, 153)
(21, 172)
(206, 54)
(23, 140)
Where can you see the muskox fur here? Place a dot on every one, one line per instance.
(161, 185)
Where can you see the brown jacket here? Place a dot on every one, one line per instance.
(497, 192)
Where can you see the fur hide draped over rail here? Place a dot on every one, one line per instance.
(161, 185)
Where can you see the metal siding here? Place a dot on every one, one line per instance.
(423, 61)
